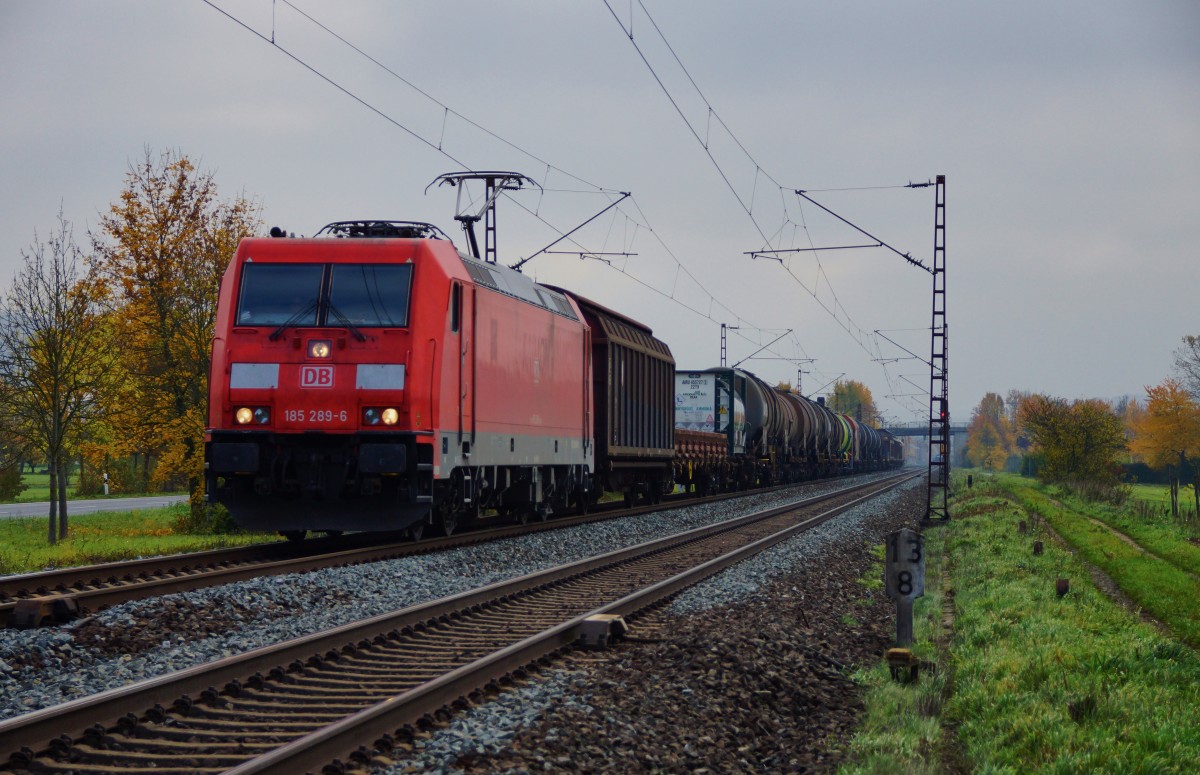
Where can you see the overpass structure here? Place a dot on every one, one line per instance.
(922, 429)
(916, 440)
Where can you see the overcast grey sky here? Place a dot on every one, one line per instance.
(1069, 133)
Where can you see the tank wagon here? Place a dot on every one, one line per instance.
(736, 431)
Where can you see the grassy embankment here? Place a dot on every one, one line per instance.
(106, 537)
(1028, 681)
(100, 537)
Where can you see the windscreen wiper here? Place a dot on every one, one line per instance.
(294, 319)
(345, 321)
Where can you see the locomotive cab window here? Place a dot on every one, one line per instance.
(275, 294)
(369, 295)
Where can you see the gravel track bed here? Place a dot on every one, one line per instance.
(753, 675)
(147, 638)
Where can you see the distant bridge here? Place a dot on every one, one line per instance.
(922, 429)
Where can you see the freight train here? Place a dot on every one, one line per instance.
(373, 377)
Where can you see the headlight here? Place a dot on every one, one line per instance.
(319, 348)
(259, 415)
(377, 416)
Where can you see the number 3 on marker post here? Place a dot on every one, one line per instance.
(904, 565)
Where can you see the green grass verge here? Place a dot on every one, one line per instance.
(105, 537)
(1040, 683)
(901, 731)
(1168, 592)
(1168, 538)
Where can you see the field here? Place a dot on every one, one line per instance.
(38, 490)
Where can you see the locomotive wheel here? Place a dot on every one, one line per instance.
(294, 535)
(416, 530)
(448, 522)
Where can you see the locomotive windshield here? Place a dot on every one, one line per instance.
(355, 295)
(371, 294)
(275, 294)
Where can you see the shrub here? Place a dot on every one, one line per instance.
(10, 482)
(197, 517)
(1097, 491)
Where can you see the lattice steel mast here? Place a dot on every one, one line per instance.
(939, 407)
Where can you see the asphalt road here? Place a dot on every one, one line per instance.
(90, 506)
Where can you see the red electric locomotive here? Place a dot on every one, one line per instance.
(374, 378)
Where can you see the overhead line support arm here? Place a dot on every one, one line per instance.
(624, 195)
(800, 193)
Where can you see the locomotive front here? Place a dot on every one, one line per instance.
(313, 420)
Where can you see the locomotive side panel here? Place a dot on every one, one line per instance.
(530, 396)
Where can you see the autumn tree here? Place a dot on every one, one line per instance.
(54, 362)
(1132, 412)
(1012, 403)
(854, 398)
(990, 434)
(1187, 365)
(1079, 440)
(1168, 432)
(14, 447)
(159, 256)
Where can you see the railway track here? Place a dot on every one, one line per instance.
(302, 704)
(56, 596)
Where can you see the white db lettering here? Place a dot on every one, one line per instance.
(316, 376)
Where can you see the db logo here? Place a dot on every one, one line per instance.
(316, 376)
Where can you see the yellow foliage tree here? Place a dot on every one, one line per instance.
(854, 398)
(990, 436)
(1078, 440)
(1168, 430)
(159, 257)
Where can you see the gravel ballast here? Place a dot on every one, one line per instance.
(751, 674)
(144, 639)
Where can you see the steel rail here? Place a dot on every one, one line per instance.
(35, 731)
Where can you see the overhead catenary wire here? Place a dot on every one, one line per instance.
(856, 332)
(439, 147)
